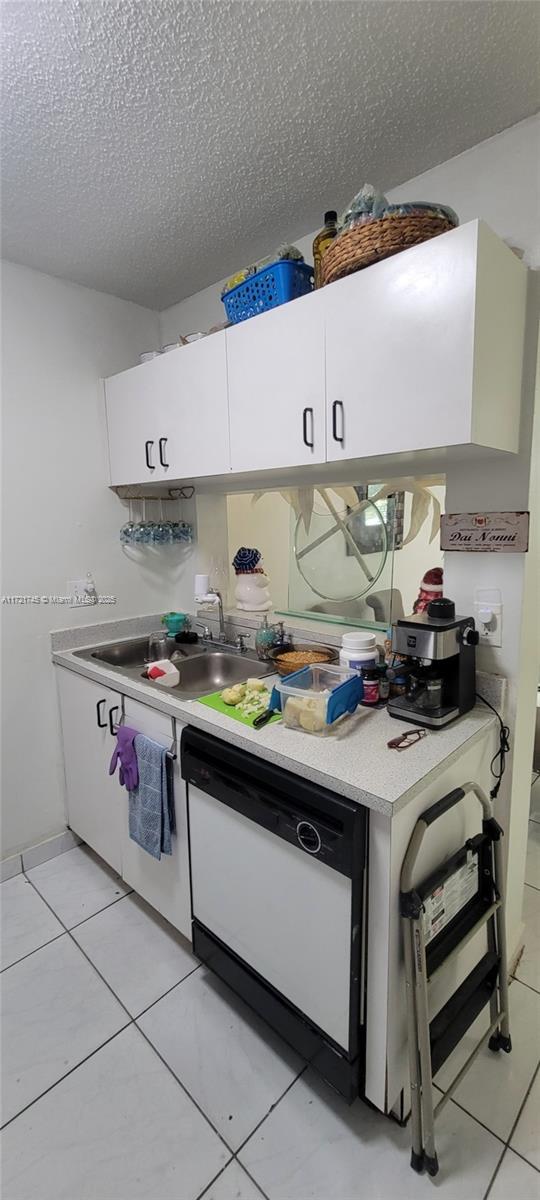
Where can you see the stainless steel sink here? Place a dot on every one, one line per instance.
(132, 653)
(202, 668)
(217, 669)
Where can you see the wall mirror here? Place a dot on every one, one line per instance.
(349, 555)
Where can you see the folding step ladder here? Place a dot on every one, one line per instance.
(439, 917)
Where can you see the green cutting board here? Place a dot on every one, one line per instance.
(214, 701)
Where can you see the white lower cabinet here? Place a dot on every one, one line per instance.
(88, 713)
(164, 883)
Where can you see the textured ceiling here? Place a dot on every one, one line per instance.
(152, 146)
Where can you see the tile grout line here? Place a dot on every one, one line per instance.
(516, 979)
(495, 1173)
(68, 928)
(131, 1021)
(522, 1106)
(510, 1148)
(118, 900)
(506, 1142)
(71, 1071)
(144, 1011)
(267, 1114)
(23, 957)
(252, 1177)
(200, 1195)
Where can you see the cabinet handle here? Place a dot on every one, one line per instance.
(111, 720)
(308, 443)
(337, 404)
(101, 724)
(147, 448)
(162, 444)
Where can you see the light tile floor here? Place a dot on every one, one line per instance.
(129, 1071)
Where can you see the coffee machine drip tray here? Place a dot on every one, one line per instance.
(410, 710)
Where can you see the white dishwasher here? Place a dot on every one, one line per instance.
(278, 878)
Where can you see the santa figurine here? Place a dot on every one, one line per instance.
(431, 587)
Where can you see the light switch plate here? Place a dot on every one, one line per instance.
(76, 588)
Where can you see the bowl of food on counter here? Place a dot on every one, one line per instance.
(288, 659)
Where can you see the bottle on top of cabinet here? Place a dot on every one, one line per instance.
(359, 650)
(322, 241)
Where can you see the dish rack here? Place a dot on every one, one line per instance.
(275, 284)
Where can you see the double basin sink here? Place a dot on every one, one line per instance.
(203, 668)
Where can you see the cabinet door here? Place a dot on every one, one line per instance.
(192, 419)
(399, 343)
(164, 883)
(168, 418)
(275, 366)
(93, 796)
(134, 408)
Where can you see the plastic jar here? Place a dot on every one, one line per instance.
(358, 650)
(370, 677)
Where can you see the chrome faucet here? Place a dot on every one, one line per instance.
(221, 634)
(236, 644)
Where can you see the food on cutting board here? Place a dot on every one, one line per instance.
(309, 713)
(233, 695)
(250, 698)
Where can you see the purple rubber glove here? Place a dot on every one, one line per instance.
(125, 753)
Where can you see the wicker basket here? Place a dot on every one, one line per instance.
(365, 244)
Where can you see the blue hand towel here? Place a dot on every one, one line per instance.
(151, 808)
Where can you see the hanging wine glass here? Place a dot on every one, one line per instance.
(128, 529)
(161, 532)
(142, 533)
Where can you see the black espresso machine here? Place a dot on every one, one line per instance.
(440, 667)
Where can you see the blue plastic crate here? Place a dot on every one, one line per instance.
(275, 284)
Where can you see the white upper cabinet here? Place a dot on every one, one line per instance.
(424, 349)
(168, 418)
(277, 387)
(420, 351)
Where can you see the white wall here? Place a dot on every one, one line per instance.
(496, 180)
(59, 517)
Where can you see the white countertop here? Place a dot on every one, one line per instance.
(355, 762)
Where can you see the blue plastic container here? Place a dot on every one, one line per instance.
(275, 284)
(331, 690)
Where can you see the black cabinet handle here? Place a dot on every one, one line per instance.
(101, 724)
(305, 427)
(162, 444)
(147, 448)
(111, 719)
(337, 404)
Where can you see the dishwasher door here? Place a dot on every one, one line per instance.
(284, 913)
(278, 880)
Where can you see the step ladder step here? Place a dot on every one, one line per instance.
(452, 1022)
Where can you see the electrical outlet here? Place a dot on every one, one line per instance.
(488, 616)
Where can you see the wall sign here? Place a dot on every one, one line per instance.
(493, 532)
